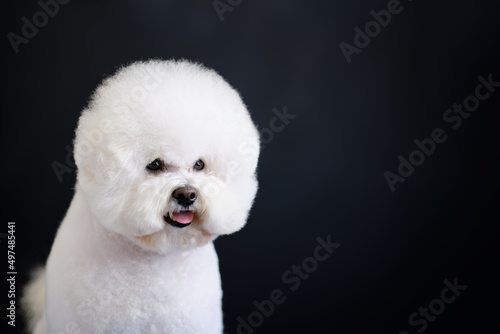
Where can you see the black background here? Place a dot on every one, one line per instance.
(322, 175)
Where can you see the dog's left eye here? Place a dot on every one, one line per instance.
(199, 165)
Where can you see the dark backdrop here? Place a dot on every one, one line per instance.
(322, 175)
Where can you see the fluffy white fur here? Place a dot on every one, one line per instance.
(116, 266)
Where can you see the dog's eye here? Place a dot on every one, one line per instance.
(199, 165)
(155, 165)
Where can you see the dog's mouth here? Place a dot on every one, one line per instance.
(179, 219)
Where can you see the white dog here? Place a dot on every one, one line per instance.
(166, 154)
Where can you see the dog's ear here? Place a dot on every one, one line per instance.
(227, 211)
(231, 189)
(248, 152)
(97, 156)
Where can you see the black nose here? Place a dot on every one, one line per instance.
(185, 196)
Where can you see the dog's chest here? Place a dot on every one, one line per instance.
(127, 294)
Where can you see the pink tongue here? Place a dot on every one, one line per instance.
(183, 217)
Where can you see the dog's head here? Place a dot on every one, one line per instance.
(166, 154)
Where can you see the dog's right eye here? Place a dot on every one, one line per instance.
(155, 165)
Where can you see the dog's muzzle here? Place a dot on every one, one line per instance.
(185, 197)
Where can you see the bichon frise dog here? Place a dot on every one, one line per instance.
(166, 154)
